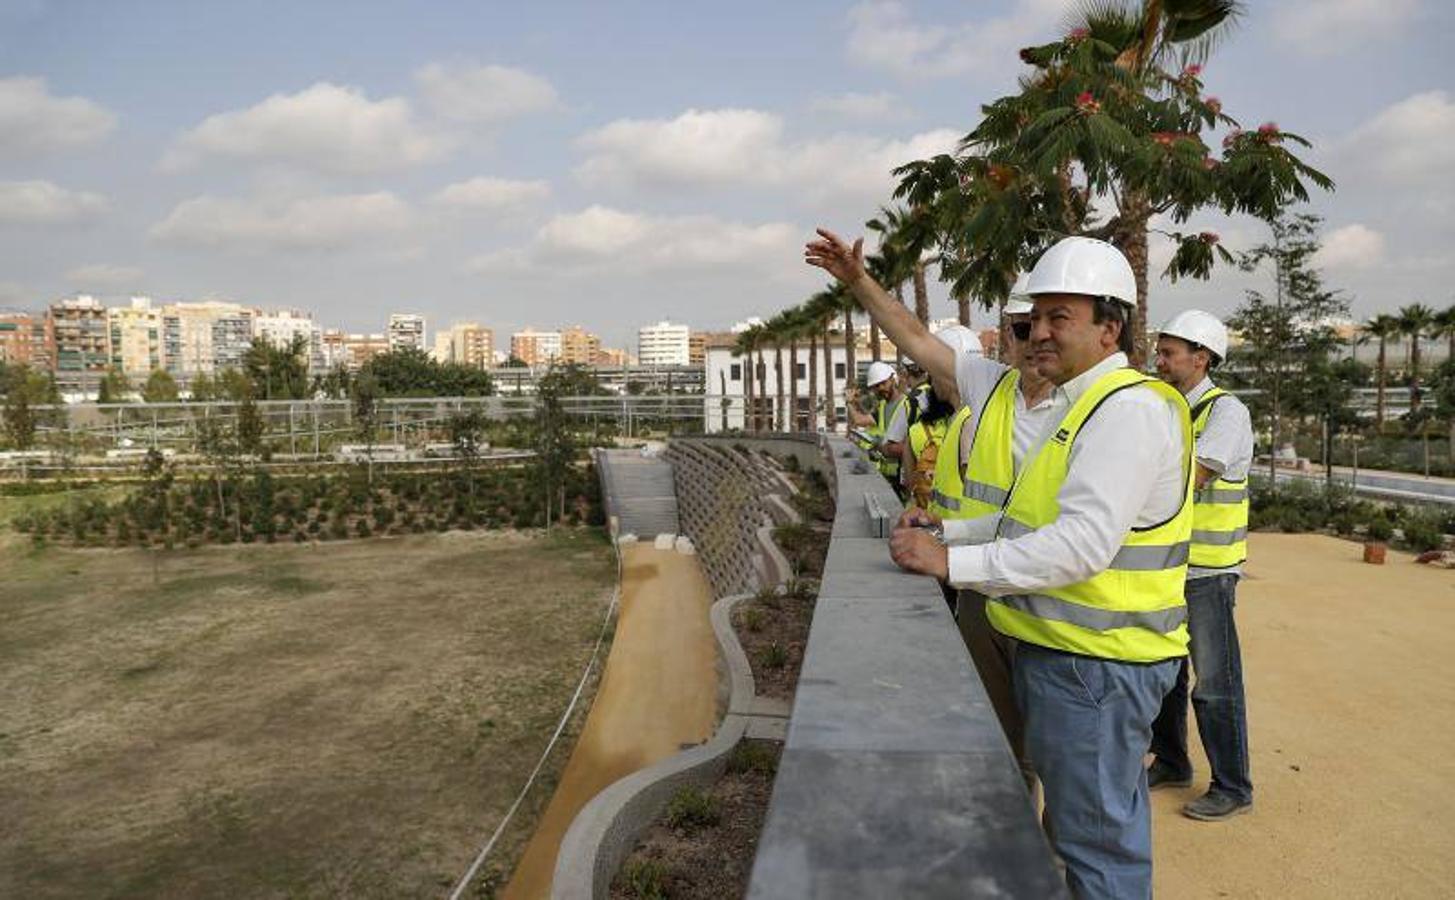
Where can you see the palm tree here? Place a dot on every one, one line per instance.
(777, 331)
(740, 349)
(1414, 323)
(1382, 327)
(793, 330)
(825, 309)
(1444, 326)
(905, 236)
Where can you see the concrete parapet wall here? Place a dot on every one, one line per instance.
(896, 779)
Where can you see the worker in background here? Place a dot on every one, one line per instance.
(890, 414)
(938, 404)
(1085, 562)
(1189, 347)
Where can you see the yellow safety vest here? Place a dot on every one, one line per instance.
(991, 468)
(1219, 510)
(883, 415)
(1134, 609)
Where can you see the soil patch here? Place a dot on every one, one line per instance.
(705, 843)
(350, 719)
(773, 629)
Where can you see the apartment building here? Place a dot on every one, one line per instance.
(406, 331)
(83, 344)
(27, 339)
(536, 348)
(467, 344)
(663, 344)
(579, 346)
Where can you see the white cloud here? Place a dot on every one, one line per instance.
(1322, 27)
(99, 276)
(486, 194)
(324, 127)
(879, 105)
(601, 238)
(44, 203)
(1411, 142)
(720, 146)
(34, 122)
(882, 35)
(1353, 246)
(313, 223)
(483, 95)
(745, 147)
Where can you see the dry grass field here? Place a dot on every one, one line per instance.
(349, 719)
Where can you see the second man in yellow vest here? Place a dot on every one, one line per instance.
(1190, 345)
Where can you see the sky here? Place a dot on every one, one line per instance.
(613, 164)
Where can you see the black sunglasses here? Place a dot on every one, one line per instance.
(1021, 330)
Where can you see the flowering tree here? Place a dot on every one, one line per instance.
(1106, 133)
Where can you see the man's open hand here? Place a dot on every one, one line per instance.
(831, 254)
(916, 550)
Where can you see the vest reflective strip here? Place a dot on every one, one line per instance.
(1221, 495)
(1150, 557)
(1133, 558)
(1042, 606)
(944, 500)
(1219, 538)
(985, 493)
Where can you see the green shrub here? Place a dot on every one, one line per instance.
(645, 879)
(773, 656)
(753, 619)
(756, 757)
(692, 809)
(1379, 528)
(1422, 532)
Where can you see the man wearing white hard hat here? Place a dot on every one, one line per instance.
(1188, 348)
(889, 418)
(1086, 559)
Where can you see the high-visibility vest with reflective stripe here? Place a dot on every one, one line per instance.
(1134, 609)
(883, 415)
(991, 468)
(946, 499)
(1219, 510)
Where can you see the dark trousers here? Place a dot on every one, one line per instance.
(1217, 693)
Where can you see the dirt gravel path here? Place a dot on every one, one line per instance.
(658, 692)
(1351, 695)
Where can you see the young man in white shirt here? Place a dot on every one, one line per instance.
(1190, 345)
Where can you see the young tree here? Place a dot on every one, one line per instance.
(24, 389)
(1415, 322)
(365, 399)
(1105, 135)
(466, 430)
(1287, 337)
(160, 387)
(114, 388)
(555, 445)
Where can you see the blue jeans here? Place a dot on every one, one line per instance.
(1217, 695)
(1088, 723)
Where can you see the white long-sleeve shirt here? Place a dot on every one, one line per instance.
(1125, 470)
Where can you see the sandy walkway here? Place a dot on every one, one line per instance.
(1351, 692)
(658, 691)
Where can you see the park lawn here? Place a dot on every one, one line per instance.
(348, 719)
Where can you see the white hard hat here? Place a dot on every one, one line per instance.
(960, 339)
(1201, 328)
(1019, 303)
(1082, 265)
(879, 372)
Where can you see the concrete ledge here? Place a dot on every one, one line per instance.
(604, 832)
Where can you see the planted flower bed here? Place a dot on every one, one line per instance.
(256, 506)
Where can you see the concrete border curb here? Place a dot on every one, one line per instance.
(606, 829)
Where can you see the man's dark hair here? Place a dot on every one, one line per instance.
(1104, 308)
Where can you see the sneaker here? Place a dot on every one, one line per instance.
(1214, 806)
(1161, 775)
